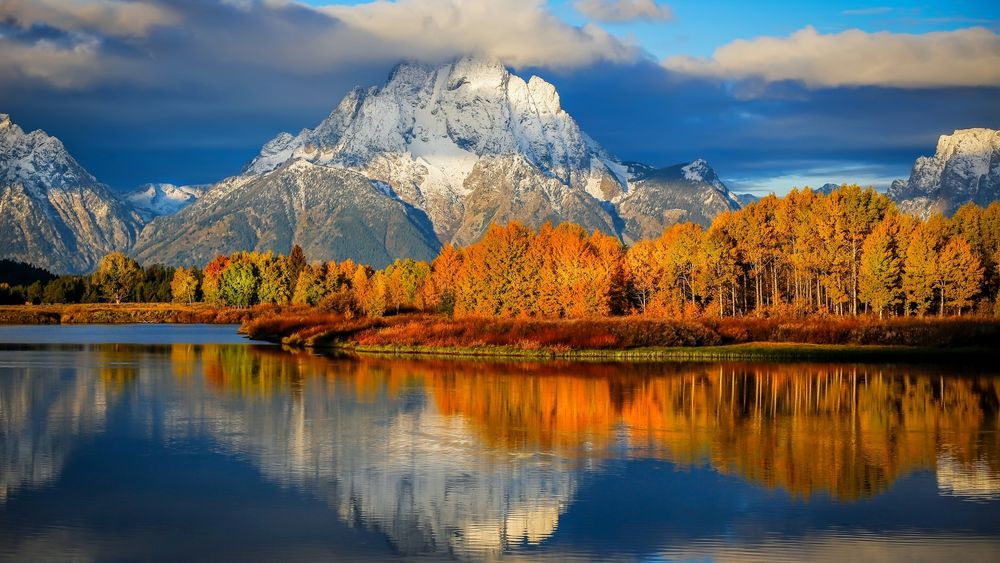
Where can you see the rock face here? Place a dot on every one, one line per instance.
(53, 213)
(332, 213)
(453, 147)
(155, 200)
(965, 168)
(660, 197)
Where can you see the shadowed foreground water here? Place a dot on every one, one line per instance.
(242, 452)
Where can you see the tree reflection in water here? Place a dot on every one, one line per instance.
(472, 458)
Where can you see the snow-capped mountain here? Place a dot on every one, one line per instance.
(53, 213)
(467, 144)
(154, 200)
(965, 168)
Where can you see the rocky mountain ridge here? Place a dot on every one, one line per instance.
(469, 144)
(965, 168)
(435, 155)
(53, 213)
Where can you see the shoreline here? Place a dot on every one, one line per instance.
(666, 340)
(123, 313)
(754, 351)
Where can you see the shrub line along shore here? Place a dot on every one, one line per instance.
(754, 351)
(601, 339)
(125, 313)
(636, 338)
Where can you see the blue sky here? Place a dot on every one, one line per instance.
(186, 91)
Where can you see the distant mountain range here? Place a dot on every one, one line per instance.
(435, 155)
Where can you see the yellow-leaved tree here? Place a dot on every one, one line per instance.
(881, 268)
(184, 285)
(116, 276)
(960, 275)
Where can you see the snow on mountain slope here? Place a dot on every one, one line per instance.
(53, 213)
(436, 133)
(463, 145)
(661, 197)
(428, 128)
(154, 200)
(965, 168)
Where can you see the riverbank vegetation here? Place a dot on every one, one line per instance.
(630, 337)
(125, 313)
(843, 268)
(804, 255)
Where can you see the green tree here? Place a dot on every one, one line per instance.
(155, 285)
(275, 281)
(310, 288)
(64, 289)
(240, 281)
(116, 276)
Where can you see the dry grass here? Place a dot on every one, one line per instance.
(125, 313)
(315, 328)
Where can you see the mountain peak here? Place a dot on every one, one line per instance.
(37, 160)
(456, 147)
(965, 168)
(53, 213)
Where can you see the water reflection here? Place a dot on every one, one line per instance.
(475, 460)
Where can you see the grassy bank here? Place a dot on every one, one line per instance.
(125, 313)
(636, 338)
(756, 351)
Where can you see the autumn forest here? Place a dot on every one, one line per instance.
(847, 253)
(805, 254)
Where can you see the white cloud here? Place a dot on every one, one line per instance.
(110, 17)
(200, 41)
(517, 32)
(620, 11)
(966, 57)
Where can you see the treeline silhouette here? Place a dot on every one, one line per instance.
(806, 253)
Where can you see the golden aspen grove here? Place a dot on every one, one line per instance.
(802, 255)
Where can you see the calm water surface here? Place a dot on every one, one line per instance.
(159, 443)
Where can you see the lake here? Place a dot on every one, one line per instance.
(187, 442)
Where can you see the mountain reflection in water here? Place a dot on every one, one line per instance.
(482, 459)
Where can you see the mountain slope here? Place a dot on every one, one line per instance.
(965, 168)
(53, 213)
(467, 144)
(437, 133)
(660, 197)
(332, 213)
